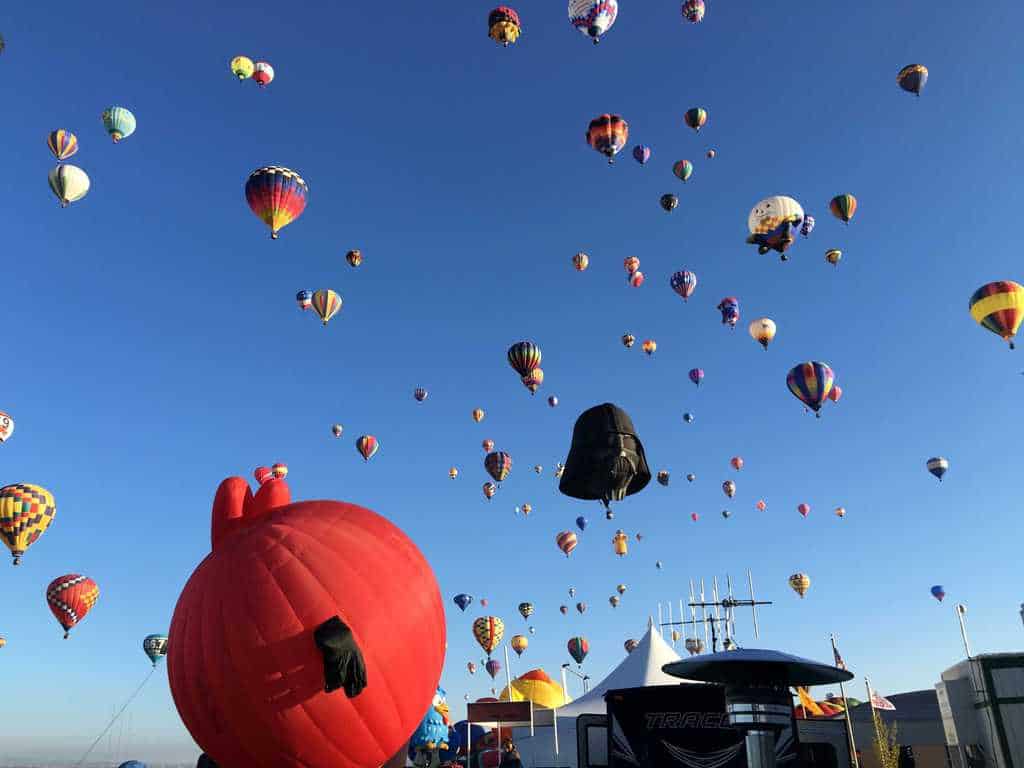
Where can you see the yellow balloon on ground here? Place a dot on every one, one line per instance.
(26, 511)
(538, 687)
(242, 67)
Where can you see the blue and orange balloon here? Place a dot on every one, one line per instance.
(811, 383)
(277, 196)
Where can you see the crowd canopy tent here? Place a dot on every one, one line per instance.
(640, 668)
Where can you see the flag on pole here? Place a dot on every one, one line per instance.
(810, 705)
(839, 659)
(880, 702)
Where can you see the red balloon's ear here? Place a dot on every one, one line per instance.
(230, 505)
(273, 493)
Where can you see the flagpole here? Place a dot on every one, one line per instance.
(846, 712)
(874, 722)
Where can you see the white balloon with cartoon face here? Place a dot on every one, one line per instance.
(6, 426)
(768, 214)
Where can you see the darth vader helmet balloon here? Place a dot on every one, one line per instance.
(606, 460)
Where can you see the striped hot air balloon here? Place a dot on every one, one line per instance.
(524, 356)
(63, 143)
(578, 648)
(498, 465)
(277, 196)
(684, 283)
(938, 466)
(593, 18)
(811, 383)
(326, 303)
(843, 207)
(608, 134)
(999, 307)
(683, 169)
(367, 446)
(696, 117)
(69, 183)
(119, 122)
(580, 261)
(566, 541)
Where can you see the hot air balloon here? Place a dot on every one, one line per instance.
(420, 394)
(614, 601)
(262, 73)
(999, 307)
(26, 511)
(835, 393)
(242, 67)
(737, 463)
(693, 11)
(6, 426)
(337, 430)
(649, 346)
(487, 445)
(537, 468)
(694, 516)
(580, 261)
(498, 464)
(695, 118)
(683, 169)
(262, 474)
(669, 202)
(663, 477)
(70, 598)
(804, 509)
(279, 471)
(503, 25)
(833, 255)
(304, 299)
(631, 645)
(811, 383)
(684, 283)
(691, 477)
(642, 154)
(800, 583)
(483, 601)
(471, 667)
(62, 143)
(326, 303)
(729, 487)
(453, 473)
(639, 537)
(581, 523)
(524, 356)
(710, 154)
(69, 183)
(578, 648)
(488, 631)
(628, 340)
(636, 279)
(553, 401)
(840, 511)
(730, 309)
(155, 647)
(493, 667)
(726, 514)
(688, 418)
(354, 257)
(525, 610)
(519, 644)
(367, 446)
(773, 223)
(463, 600)
(608, 134)
(277, 196)
(593, 17)
(3, 640)
(761, 505)
(912, 78)
(938, 592)
(533, 380)
(119, 122)
(580, 607)
(938, 466)
(620, 543)
(843, 207)
(696, 375)
(657, 564)
(631, 264)
(489, 490)
(807, 226)
(621, 589)
(478, 415)
(762, 331)
(563, 609)
(566, 541)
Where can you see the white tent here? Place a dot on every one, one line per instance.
(640, 668)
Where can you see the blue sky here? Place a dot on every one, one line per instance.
(154, 346)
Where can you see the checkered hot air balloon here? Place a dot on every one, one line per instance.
(26, 511)
(593, 18)
(999, 307)
(277, 196)
(811, 383)
(488, 631)
(70, 598)
(608, 134)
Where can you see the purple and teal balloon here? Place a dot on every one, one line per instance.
(683, 169)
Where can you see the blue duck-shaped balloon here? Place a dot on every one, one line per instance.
(432, 732)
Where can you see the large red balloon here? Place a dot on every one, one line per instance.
(247, 673)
